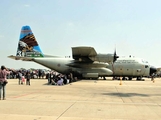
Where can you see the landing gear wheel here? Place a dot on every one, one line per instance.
(130, 78)
(138, 78)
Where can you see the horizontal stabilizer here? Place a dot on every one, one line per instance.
(21, 58)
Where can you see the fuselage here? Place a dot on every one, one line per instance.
(128, 67)
(68, 65)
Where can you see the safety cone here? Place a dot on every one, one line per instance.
(120, 81)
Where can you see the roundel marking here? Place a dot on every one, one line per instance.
(58, 65)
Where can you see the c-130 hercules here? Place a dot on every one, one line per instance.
(86, 63)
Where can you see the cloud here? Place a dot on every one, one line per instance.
(70, 24)
(27, 5)
(1, 36)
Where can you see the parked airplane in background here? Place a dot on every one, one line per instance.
(85, 62)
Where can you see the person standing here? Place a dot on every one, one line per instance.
(3, 81)
(19, 77)
(28, 76)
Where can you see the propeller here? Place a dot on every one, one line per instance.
(115, 56)
(114, 59)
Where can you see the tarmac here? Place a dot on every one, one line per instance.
(83, 100)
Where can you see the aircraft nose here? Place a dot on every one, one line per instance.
(153, 70)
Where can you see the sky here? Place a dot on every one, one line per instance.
(132, 27)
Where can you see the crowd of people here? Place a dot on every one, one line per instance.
(55, 78)
(34, 73)
(24, 76)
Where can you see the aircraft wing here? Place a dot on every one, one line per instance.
(83, 54)
(21, 58)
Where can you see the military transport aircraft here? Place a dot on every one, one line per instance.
(85, 63)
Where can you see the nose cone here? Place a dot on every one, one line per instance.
(152, 70)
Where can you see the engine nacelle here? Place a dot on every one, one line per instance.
(90, 75)
(108, 58)
(96, 72)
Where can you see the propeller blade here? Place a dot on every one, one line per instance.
(115, 56)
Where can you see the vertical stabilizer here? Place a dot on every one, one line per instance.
(27, 45)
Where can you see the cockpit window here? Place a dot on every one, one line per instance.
(146, 66)
(145, 61)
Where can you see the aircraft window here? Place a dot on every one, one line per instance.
(123, 61)
(146, 66)
(138, 70)
(144, 61)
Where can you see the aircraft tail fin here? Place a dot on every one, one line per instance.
(27, 45)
